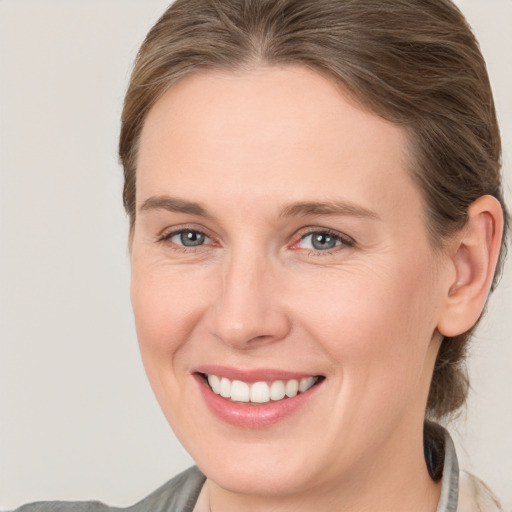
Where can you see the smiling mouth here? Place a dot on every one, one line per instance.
(262, 392)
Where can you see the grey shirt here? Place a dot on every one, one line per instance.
(460, 492)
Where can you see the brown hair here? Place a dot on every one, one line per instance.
(413, 62)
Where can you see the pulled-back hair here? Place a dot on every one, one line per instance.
(415, 63)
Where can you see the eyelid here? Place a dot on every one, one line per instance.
(346, 241)
(165, 235)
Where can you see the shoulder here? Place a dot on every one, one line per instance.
(179, 495)
(475, 496)
(64, 506)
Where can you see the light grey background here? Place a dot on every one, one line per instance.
(77, 418)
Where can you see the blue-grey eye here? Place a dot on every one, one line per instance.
(320, 241)
(189, 238)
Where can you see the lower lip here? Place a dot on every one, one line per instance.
(253, 416)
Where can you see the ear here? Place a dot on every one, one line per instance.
(474, 254)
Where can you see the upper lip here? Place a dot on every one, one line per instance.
(251, 375)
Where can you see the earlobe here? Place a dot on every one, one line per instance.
(475, 250)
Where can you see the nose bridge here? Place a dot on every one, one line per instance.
(247, 308)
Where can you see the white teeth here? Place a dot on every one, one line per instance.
(306, 383)
(214, 382)
(240, 391)
(277, 390)
(259, 392)
(225, 387)
(292, 388)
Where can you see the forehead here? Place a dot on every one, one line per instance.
(268, 129)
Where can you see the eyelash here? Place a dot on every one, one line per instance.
(167, 237)
(344, 240)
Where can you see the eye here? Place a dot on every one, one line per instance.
(187, 238)
(323, 241)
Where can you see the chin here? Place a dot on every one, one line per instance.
(263, 478)
(278, 465)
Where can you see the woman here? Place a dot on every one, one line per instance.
(316, 218)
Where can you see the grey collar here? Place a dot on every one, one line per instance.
(450, 482)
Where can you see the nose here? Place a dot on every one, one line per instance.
(248, 311)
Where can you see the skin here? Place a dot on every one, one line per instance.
(256, 294)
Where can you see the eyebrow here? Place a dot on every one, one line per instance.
(300, 209)
(173, 204)
(309, 208)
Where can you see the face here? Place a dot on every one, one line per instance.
(279, 244)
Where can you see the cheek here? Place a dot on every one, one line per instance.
(375, 324)
(377, 339)
(166, 306)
